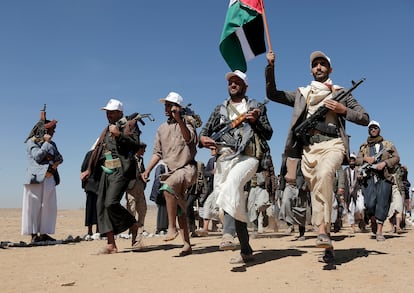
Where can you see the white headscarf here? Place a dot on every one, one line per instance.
(316, 93)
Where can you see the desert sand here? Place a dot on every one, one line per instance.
(281, 264)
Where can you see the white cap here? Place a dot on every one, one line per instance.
(412, 189)
(113, 105)
(353, 156)
(173, 98)
(239, 74)
(375, 123)
(319, 54)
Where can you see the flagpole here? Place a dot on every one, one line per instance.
(266, 27)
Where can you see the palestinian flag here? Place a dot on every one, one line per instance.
(242, 38)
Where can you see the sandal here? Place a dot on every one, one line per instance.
(185, 253)
(138, 243)
(323, 241)
(227, 242)
(45, 237)
(201, 233)
(380, 237)
(301, 238)
(242, 259)
(227, 245)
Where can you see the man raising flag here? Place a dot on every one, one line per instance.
(242, 38)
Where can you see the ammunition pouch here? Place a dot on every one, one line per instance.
(113, 163)
(327, 129)
(322, 132)
(254, 148)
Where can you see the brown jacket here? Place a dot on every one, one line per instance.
(355, 113)
(390, 157)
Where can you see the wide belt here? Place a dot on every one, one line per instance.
(317, 138)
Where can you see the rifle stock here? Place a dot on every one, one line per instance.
(138, 117)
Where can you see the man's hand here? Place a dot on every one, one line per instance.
(381, 165)
(207, 142)
(114, 130)
(335, 106)
(271, 57)
(175, 113)
(253, 115)
(84, 175)
(369, 160)
(144, 176)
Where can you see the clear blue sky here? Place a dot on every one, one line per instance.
(75, 55)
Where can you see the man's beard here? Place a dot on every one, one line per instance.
(238, 94)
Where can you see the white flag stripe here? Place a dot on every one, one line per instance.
(247, 51)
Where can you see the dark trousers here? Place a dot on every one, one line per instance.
(162, 218)
(242, 233)
(377, 197)
(91, 217)
(112, 216)
(190, 211)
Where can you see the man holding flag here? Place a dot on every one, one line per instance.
(328, 145)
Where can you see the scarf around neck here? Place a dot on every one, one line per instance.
(317, 92)
(374, 140)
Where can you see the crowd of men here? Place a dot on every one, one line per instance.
(319, 184)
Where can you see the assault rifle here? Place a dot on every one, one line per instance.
(139, 117)
(362, 171)
(187, 111)
(301, 131)
(233, 124)
(133, 117)
(41, 131)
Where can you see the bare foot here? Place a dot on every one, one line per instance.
(110, 249)
(171, 236)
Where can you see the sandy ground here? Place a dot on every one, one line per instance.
(281, 263)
